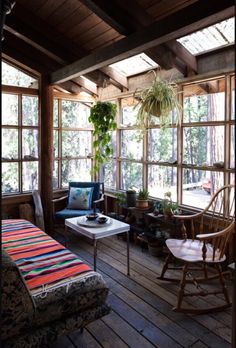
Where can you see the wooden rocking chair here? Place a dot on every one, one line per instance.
(211, 232)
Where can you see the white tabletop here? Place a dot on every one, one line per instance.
(104, 230)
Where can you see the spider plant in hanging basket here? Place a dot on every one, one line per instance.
(158, 100)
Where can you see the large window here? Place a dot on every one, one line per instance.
(192, 160)
(72, 143)
(20, 132)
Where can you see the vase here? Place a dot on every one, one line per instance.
(131, 198)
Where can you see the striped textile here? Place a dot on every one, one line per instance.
(40, 258)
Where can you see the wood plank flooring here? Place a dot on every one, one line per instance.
(141, 304)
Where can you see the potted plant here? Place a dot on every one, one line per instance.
(142, 199)
(102, 116)
(168, 206)
(120, 201)
(158, 100)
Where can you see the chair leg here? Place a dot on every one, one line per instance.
(182, 287)
(222, 282)
(165, 267)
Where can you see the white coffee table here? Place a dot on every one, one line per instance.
(99, 231)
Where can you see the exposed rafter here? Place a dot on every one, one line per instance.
(186, 21)
(30, 28)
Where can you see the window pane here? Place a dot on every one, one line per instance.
(131, 175)
(30, 143)
(55, 112)
(14, 77)
(30, 110)
(9, 109)
(55, 181)
(131, 146)
(232, 148)
(55, 144)
(74, 114)
(29, 176)
(9, 143)
(10, 175)
(203, 145)
(162, 145)
(110, 174)
(207, 107)
(76, 143)
(199, 186)
(162, 179)
(129, 112)
(75, 170)
(154, 120)
(233, 98)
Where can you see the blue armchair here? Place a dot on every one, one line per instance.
(83, 198)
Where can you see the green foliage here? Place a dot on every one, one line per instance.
(120, 198)
(102, 116)
(168, 206)
(143, 194)
(158, 100)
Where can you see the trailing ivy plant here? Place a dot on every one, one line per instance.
(102, 116)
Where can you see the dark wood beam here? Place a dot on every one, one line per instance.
(39, 34)
(186, 21)
(5, 7)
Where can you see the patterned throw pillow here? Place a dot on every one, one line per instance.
(80, 198)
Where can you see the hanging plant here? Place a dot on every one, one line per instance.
(102, 116)
(158, 100)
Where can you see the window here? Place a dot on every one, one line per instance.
(20, 133)
(72, 143)
(199, 154)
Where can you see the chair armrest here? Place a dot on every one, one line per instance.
(213, 235)
(99, 200)
(59, 199)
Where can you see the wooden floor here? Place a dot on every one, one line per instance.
(141, 315)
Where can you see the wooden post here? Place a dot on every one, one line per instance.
(46, 169)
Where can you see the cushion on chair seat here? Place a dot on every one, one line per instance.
(70, 213)
(191, 250)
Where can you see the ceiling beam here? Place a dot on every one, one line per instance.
(186, 21)
(41, 35)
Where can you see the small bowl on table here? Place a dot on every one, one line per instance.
(91, 217)
(102, 220)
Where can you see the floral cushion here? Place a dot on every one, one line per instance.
(80, 198)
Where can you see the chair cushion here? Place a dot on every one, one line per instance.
(70, 213)
(80, 198)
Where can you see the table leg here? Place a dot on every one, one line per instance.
(95, 254)
(127, 233)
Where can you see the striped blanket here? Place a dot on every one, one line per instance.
(40, 258)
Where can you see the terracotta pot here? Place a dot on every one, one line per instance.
(141, 203)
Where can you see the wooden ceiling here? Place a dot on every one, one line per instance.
(70, 38)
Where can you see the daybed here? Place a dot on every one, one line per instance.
(47, 291)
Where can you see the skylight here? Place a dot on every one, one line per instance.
(134, 65)
(215, 36)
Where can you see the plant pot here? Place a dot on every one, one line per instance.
(142, 203)
(154, 110)
(131, 197)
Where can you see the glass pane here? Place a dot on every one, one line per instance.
(129, 112)
(29, 176)
(76, 170)
(14, 77)
(55, 112)
(30, 143)
(9, 109)
(10, 177)
(233, 98)
(232, 148)
(207, 107)
(55, 181)
(76, 143)
(9, 144)
(55, 144)
(30, 110)
(199, 186)
(155, 121)
(162, 145)
(131, 175)
(203, 145)
(74, 114)
(110, 174)
(131, 145)
(162, 179)
(113, 144)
